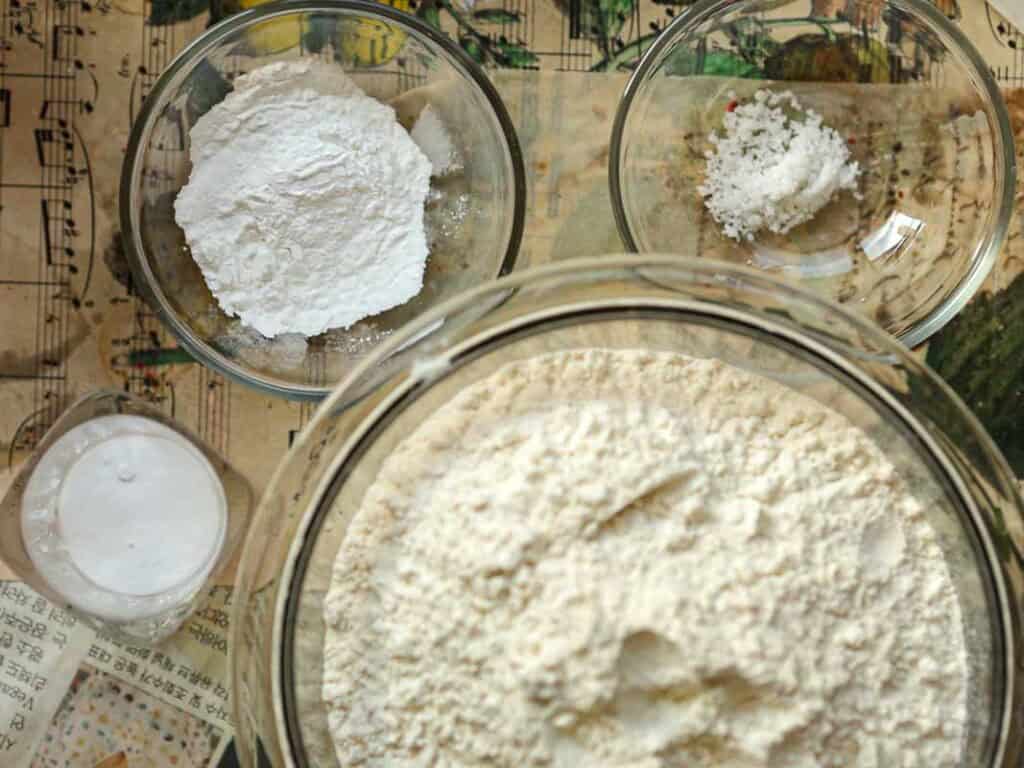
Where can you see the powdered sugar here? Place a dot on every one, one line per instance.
(432, 137)
(614, 558)
(774, 171)
(304, 208)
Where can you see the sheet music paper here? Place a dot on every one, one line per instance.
(73, 74)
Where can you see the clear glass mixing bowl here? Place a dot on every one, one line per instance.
(920, 111)
(694, 307)
(474, 218)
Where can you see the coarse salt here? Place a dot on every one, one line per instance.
(773, 170)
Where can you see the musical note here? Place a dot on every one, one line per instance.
(181, 129)
(5, 107)
(48, 137)
(44, 204)
(49, 218)
(64, 32)
(1003, 29)
(84, 107)
(156, 175)
(74, 175)
(65, 294)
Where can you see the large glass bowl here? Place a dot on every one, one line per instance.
(474, 218)
(921, 114)
(694, 307)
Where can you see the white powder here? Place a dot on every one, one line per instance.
(623, 559)
(304, 208)
(772, 170)
(432, 137)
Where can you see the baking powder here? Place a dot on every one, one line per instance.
(304, 208)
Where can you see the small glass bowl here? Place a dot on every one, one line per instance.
(919, 110)
(474, 218)
(658, 303)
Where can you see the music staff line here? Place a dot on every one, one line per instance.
(47, 187)
(37, 76)
(54, 140)
(31, 377)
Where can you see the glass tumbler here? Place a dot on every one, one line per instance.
(123, 516)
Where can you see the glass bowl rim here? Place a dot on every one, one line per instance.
(191, 55)
(987, 249)
(885, 348)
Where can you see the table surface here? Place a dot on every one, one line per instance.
(72, 76)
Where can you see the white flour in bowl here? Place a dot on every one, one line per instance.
(304, 208)
(621, 559)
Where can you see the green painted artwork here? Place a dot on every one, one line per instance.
(476, 36)
(980, 354)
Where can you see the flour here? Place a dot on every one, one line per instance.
(772, 170)
(304, 208)
(621, 559)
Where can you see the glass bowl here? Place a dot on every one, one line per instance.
(921, 115)
(696, 307)
(474, 218)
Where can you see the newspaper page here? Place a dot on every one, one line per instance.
(72, 697)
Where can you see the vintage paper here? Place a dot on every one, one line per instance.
(73, 73)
